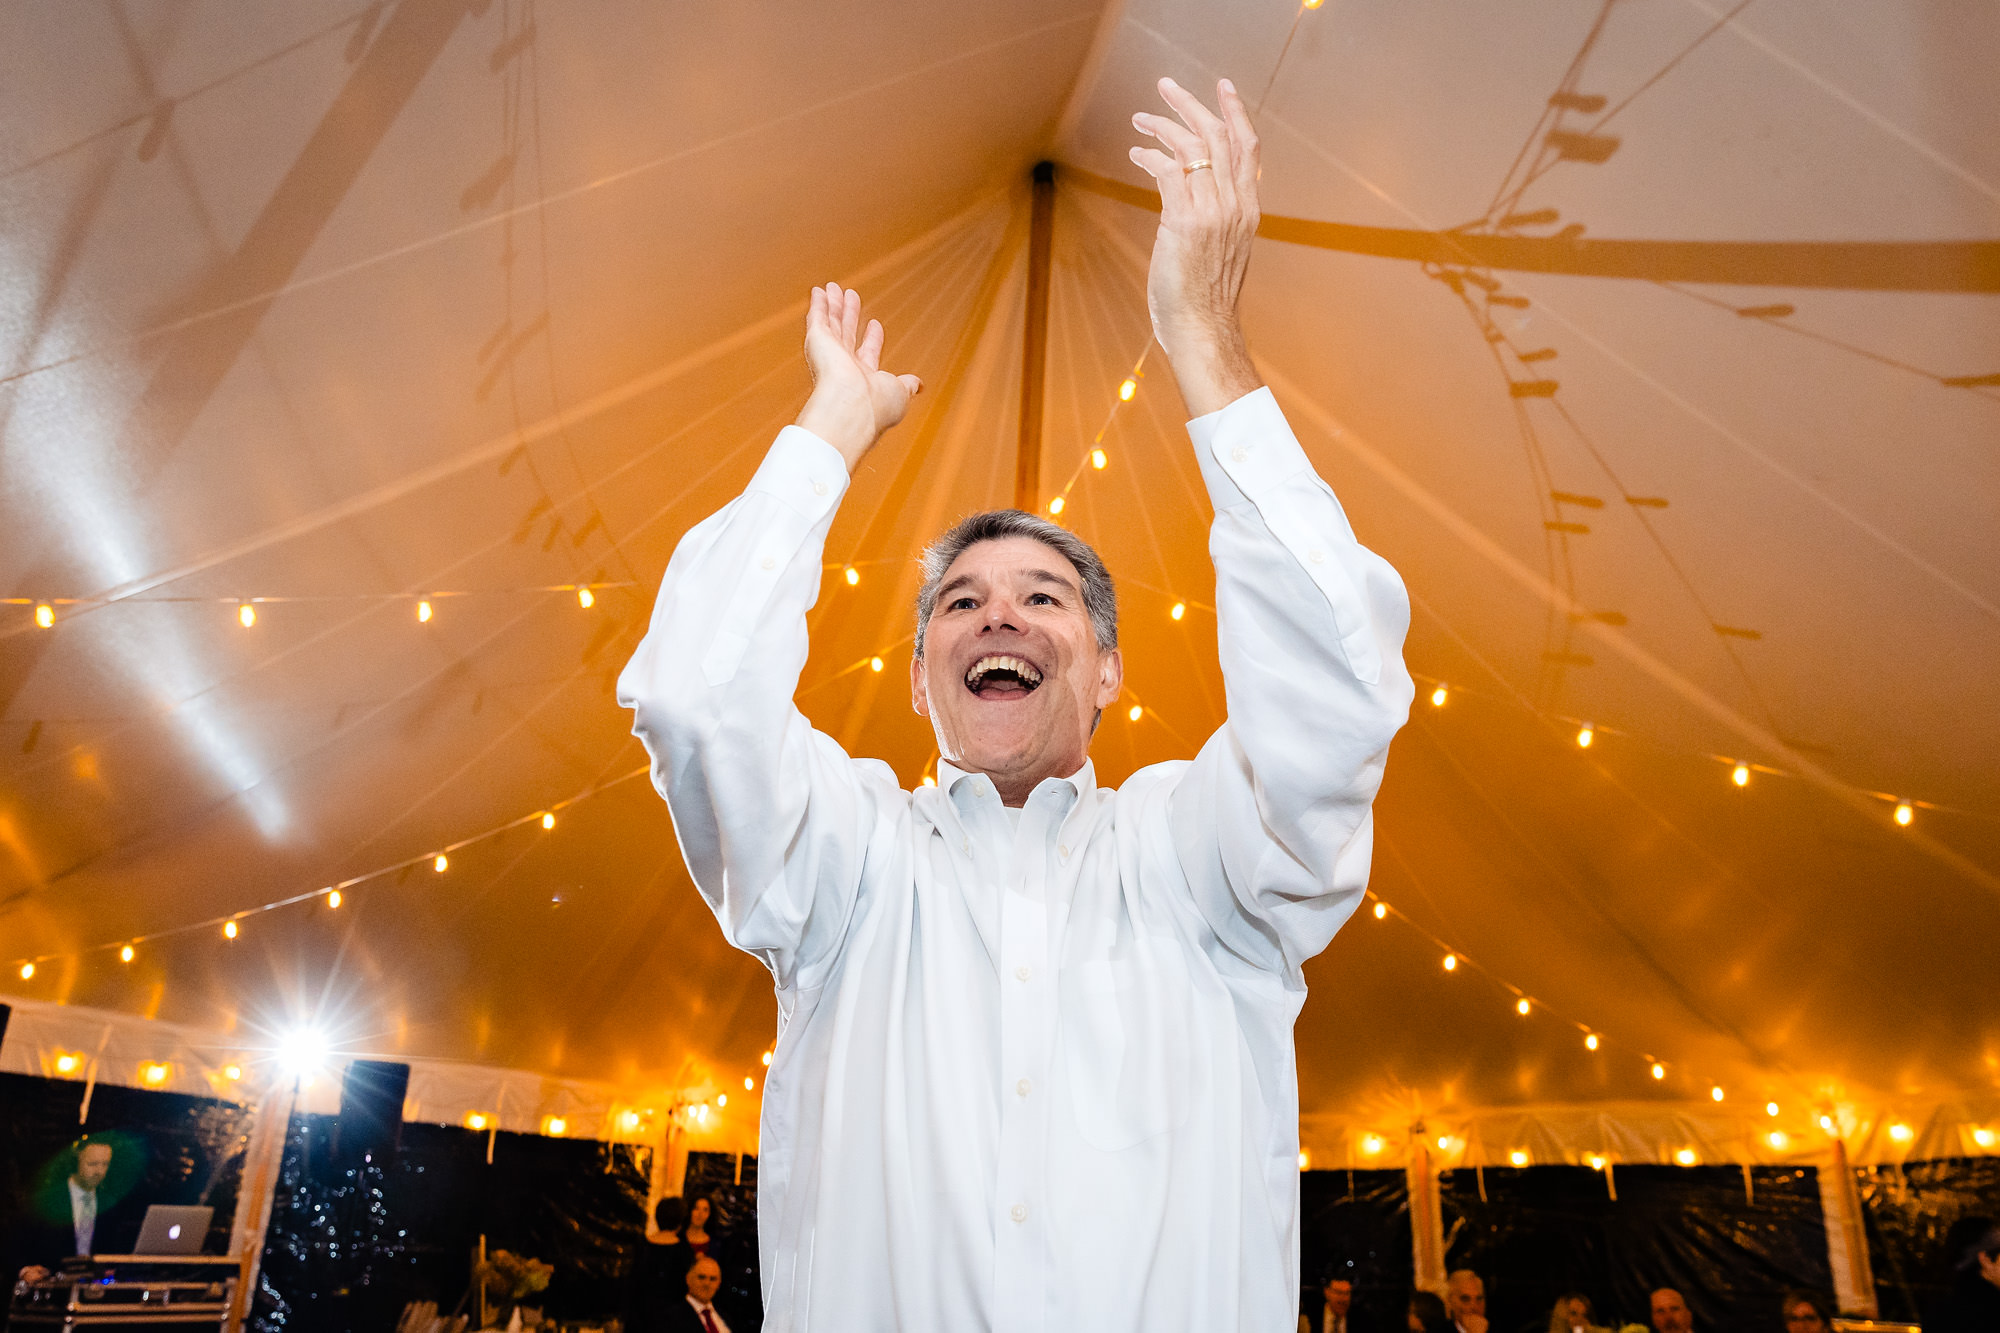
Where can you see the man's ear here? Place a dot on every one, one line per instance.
(1110, 678)
(920, 696)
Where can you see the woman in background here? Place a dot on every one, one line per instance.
(1573, 1314)
(695, 1235)
(1806, 1312)
(659, 1271)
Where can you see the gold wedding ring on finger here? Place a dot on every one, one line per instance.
(1199, 164)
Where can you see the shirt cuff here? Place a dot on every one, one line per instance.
(1247, 450)
(803, 472)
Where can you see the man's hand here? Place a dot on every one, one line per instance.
(33, 1273)
(853, 399)
(1208, 220)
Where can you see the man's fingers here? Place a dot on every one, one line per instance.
(1182, 142)
(1244, 135)
(871, 346)
(911, 384)
(1213, 136)
(1166, 174)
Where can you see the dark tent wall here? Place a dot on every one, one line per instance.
(1909, 1210)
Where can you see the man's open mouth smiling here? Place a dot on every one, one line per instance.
(999, 676)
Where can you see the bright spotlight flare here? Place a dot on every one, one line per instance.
(302, 1051)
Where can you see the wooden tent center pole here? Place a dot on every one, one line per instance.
(1035, 342)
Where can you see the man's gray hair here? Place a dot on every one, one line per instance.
(1100, 599)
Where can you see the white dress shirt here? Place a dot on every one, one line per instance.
(1034, 1076)
(714, 1314)
(83, 1215)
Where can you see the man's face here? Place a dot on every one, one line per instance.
(703, 1279)
(1800, 1317)
(92, 1164)
(1011, 677)
(1466, 1294)
(1670, 1312)
(1339, 1295)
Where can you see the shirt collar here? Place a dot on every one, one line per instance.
(962, 787)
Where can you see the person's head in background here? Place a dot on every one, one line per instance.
(704, 1276)
(1427, 1314)
(1465, 1295)
(1572, 1311)
(1670, 1312)
(670, 1215)
(1339, 1293)
(1806, 1312)
(699, 1210)
(93, 1163)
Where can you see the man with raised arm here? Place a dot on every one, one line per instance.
(1034, 1067)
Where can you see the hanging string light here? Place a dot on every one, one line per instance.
(333, 898)
(246, 615)
(423, 612)
(45, 615)
(585, 598)
(1439, 695)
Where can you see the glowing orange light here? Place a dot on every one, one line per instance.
(127, 954)
(555, 1126)
(1686, 1157)
(1451, 962)
(1438, 696)
(333, 898)
(1056, 505)
(1178, 610)
(45, 615)
(1136, 713)
(876, 664)
(229, 931)
(585, 598)
(1596, 1161)
(548, 819)
(1371, 1144)
(1901, 1133)
(1381, 911)
(749, 1084)
(1826, 1123)
(1740, 775)
(1312, 4)
(247, 615)
(1097, 459)
(1590, 1041)
(423, 613)
(1517, 1157)
(852, 575)
(154, 1074)
(1904, 813)
(1777, 1139)
(1770, 1108)
(721, 1099)
(1983, 1137)
(1126, 390)
(1522, 1007)
(1305, 1159)
(1586, 735)
(68, 1063)
(767, 1059)
(628, 1120)
(27, 971)
(476, 1120)
(1715, 1094)
(234, 1073)
(1659, 1071)
(929, 781)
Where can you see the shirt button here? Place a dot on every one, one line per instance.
(966, 846)
(769, 562)
(1316, 555)
(1023, 972)
(1019, 1212)
(1062, 849)
(1024, 1087)
(1238, 454)
(819, 488)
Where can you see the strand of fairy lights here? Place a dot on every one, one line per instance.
(423, 605)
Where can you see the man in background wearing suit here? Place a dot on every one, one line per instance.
(66, 1217)
(1337, 1295)
(697, 1314)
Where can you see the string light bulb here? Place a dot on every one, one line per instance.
(476, 1120)
(1438, 696)
(1136, 713)
(423, 613)
(229, 931)
(27, 971)
(1312, 4)
(1451, 962)
(1686, 1157)
(153, 1074)
(1715, 1094)
(1983, 1137)
(1178, 610)
(876, 664)
(1056, 505)
(67, 1063)
(722, 1099)
(749, 1084)
(1127, 389)
(1371, 1144)
(767, 1059)
(628, 1120)
(333, 898)
(1901, 1133)
(127, 954)
(1097, 459)
(1590, 1041)
(1381, 911)
(45, 615)
(1659, 1070)
(852, 575)
(1596, 1161)
(1905, 813)
(1826, 1123)
(1522, 1007)
(1585, 735)
(441, 864)
(1777, 1139)
(555, 1126)
(1770, 1108)
(585, 598)
(1305, 1159)
(233, 1072)
(246, 615)
(1740, 775)
(548, 820)
(929, 781)
(1517, 1157)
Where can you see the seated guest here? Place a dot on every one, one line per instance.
(1806, 1312)
(659, 1271)
(697, 1313)
(1336, 1298)
(1573, 1314)
(1972, 1295)
(1427, 1314)
(695, 1235)
(1465, 1299)
(1671, 1313)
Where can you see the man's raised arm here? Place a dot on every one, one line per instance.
(1272, 821)
(772, 815)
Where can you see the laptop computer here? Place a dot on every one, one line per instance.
(173, 1229)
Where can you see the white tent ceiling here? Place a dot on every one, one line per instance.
(477, 302)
